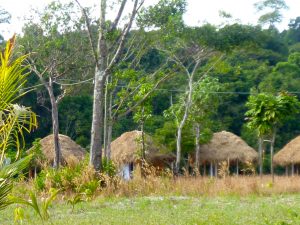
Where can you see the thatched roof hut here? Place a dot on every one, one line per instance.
(227, 146)
(71, 151)
(289, 154)
(127, 149)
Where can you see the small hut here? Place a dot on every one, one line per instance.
(71, 152)
(289, 155)
(126, 152)
(228, 147)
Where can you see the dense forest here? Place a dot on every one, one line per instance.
(163, 68)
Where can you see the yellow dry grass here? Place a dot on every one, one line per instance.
(204, 186)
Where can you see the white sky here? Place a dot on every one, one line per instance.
(198, 11)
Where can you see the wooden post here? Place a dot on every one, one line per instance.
(260, 156)
(292, 169)
(286, 170)
(228, 166)
(237, 167)
(204, 168)
(216, 169)
(211, 169)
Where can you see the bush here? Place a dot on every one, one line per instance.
(108, 167)
(77, 178)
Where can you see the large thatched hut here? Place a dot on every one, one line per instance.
(289, 155)
(126, 152)
(226, 147)
(71, 151)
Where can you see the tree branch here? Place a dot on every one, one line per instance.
(124, 35)
(90, 36)
(117, 19)
(145, 96)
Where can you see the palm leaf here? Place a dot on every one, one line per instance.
(6, 175)
(14, 119)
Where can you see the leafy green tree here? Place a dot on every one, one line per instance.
(274, 15)
(205, 104)
(56, 50)
(266, 114)
(284, 76)
(292, 35)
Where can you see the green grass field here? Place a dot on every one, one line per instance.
(277, 209)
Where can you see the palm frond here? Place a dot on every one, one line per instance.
(6, 175)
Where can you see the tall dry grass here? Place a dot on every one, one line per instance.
(203, 186)
(146, 182)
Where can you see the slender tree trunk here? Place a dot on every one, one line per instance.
(260, 156)
(188, 103)
(272, 153)
(109, 139)
(143, 142)
(105, 126)
(143, 135)
(110, 127)
(178, 149)
(197, 139)
(55, 126)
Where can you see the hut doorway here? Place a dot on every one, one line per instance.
(126, 171)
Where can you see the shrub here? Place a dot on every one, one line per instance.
(75, 178)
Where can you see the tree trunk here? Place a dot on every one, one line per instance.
(143, 135)
(109, 139)
(143, 141)
(55, 126)
(100, 78)
(181, 124)
(260, 156)
(105, 126)
(272, 153)
(197, 163)
(97, 121)
(178, 149)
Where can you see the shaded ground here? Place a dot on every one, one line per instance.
(277, 209)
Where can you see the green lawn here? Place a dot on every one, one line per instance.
(172, 210)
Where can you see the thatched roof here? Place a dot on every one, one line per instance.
(71, 151)
(227, 146)
(127, 148)
(289, 154)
